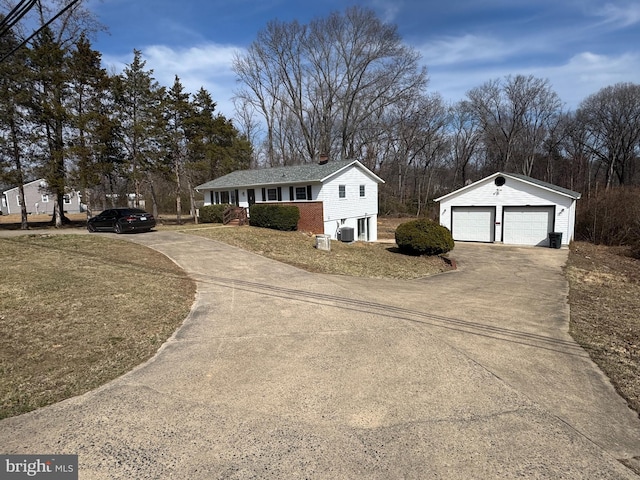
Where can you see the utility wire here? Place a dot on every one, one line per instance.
(58, 15)
(14, 16)
(18, 11)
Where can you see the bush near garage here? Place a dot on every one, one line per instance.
(276, 217)
(423, 237)
(212, 213)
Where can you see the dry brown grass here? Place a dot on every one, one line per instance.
(42, 221)
(605, 305)
(359, 259)
(78, 311)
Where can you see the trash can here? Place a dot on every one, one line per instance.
(555, 239)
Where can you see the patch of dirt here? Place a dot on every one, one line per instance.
(605, 304)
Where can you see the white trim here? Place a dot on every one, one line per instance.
(490, 177)
(357, 164)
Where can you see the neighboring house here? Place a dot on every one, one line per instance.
(38, 199)
(329, 195)
(509, 208)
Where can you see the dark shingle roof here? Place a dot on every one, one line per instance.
(309, 173)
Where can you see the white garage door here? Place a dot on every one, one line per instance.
(527, 225)
(473, 224)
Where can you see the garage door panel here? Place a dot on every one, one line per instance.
(473, 224)
(527, 225)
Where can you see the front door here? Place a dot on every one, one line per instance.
(251, 196)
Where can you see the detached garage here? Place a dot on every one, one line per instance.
(509, 208)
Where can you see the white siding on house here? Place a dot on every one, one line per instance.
(514, 193)
(243, 194)
(339, 212)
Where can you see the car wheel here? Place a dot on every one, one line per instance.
(117, 228)
(91, 227)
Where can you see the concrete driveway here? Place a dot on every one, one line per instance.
(280, 373)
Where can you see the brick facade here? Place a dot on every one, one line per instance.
(311, 216)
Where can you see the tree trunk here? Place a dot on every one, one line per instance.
(24, 224)
(192, 201)
(154, 199)
(58, 210)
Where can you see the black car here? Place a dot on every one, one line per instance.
(122, 220)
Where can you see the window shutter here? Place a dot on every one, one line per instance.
(264, 195)
(291, 197)
(279, 194)
(237, 198)
(308, 192)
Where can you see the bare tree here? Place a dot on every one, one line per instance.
(464, 136)
(318, 85)
(609, 123)
(516, 115)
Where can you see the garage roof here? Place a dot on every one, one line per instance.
(522, 178)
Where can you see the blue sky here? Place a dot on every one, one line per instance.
(579, 45)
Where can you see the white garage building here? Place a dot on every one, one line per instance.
(509, 208)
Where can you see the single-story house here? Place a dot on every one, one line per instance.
(509, 208)
(38, 199)
(333, 197)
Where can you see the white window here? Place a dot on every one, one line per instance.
(45, 198)
(272, 194)
(67, 199)
(362, 190)
(18, 200)
(342, 191)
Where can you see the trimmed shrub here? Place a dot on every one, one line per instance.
(423, 237)
(276, 217)
(212, 213)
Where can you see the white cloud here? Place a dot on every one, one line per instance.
(620, 15)
(206, 65)
(388, 9)
(465, 49)
(586, 73)
(580, 76)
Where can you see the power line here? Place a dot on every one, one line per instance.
(14, 16)
(58, 15)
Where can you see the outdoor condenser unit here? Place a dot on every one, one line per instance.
(346, 234)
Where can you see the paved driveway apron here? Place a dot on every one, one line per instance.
(280, 373)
